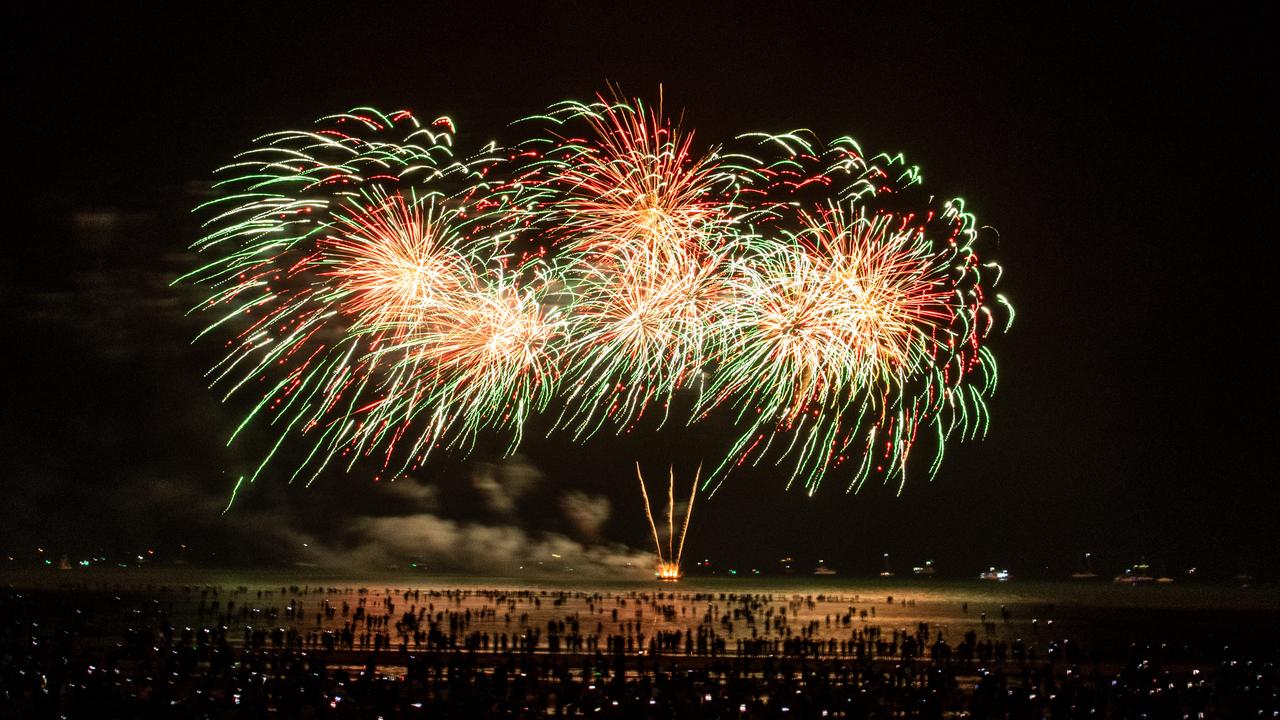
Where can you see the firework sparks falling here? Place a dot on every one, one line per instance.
(840, 315)
(640, 223)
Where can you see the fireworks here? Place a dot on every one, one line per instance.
(668, 567)
(640, 224)
(385, 295)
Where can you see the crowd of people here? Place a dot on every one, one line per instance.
(701, 624)
(352, 652)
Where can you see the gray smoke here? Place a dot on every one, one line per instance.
(502, 484)
(410, 528)
(440, 544)
(586, 513)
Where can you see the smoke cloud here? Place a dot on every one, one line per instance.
(503, 484)
(586, 513)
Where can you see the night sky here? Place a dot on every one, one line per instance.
(1125, 161)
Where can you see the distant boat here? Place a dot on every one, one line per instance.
(1132, 579)
(926, 570)
(822, 569)
(995, 575)
(1086, 571)
(886, 572)
(1140, 573)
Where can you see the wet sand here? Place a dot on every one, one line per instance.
(1106, 618)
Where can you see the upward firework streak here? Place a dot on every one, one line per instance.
(668, 568)
(385, 296)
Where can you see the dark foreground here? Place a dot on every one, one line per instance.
(112, 650)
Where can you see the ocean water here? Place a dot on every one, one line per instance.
(938, 594)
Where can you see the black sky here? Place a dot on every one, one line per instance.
(1126, 160)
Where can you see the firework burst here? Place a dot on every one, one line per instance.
(838, 317)
(385, 296)
(639, 223)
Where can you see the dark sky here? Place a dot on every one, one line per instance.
(1125, 160)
